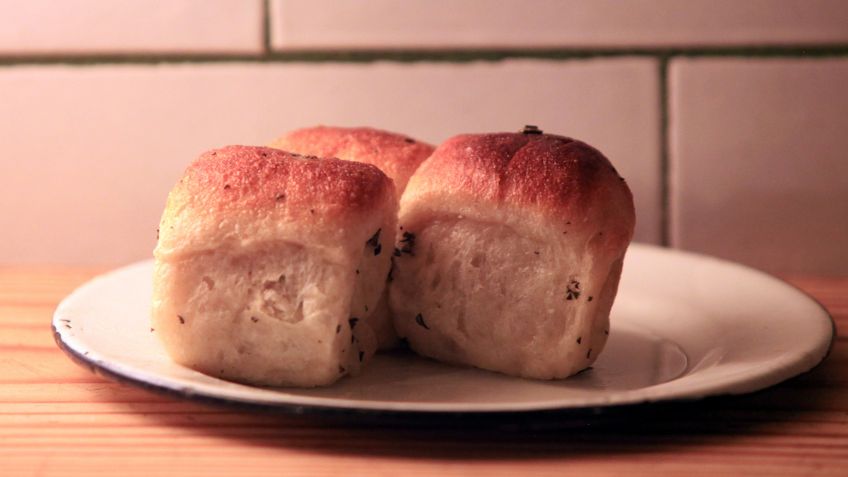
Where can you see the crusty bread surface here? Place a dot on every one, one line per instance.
(510, 250)
(397, 155)
(268, 265)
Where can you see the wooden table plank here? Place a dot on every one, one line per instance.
(58, 419)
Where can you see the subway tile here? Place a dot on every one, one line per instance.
(90, 152)
(105, 27)
(758, 161)
(438, 24)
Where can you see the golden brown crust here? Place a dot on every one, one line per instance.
(237, 177)
(506, 232)
(247, 194)
(566, 180)
(395, 154)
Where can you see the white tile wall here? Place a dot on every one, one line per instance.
(387, 24)
(89, 153)
(93, 27)
(757, 169)
(760, 161)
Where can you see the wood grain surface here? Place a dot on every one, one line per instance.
(57, 418)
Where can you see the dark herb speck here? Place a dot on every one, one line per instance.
(579, 339)
(408, 242)
(182, 320)
(254, 319)
(419, 319)
(374, 242)
(573, 290)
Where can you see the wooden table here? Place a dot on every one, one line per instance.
(56, 418)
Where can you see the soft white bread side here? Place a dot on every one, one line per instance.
(268, 264)
(510, 251)
(397, 155)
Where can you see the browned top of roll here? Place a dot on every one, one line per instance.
(395, 154)
(565, 180)
(244, 194)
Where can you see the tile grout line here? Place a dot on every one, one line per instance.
(266, 27)
(441, 56)
(665, 179)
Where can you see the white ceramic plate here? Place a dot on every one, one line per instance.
(684, 326)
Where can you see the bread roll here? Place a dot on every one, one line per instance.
(268, 263)
(510, 252)
(398, 156)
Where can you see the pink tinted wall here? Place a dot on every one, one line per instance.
(727, 118)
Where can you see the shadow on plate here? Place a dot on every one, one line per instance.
(643, 428)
